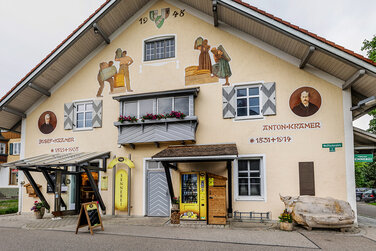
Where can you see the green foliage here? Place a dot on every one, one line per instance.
(285, 217)
(370, 175)
(8, 207)
(370, 48)
(360, 179)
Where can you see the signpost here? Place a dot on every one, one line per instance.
(332, 146)
(363, 158)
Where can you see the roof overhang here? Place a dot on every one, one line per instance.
(193, 153)
(364, 141)
(351, 70)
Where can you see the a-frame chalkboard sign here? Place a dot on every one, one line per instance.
(89, 216)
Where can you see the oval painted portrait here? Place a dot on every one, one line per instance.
(305, 101)
(47, 122)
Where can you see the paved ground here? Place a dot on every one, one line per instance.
(366, 210)
(156, 233)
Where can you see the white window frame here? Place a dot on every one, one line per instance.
(248, 85)
(156, 39)
(83, 102)
(261, 197)
(3, 150)
(16, 146)
(155, 105)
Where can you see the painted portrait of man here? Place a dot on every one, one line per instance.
(305, 101)
(47, 122)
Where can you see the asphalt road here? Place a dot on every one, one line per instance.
(366, 210)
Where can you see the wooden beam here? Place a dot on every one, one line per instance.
(306, 57)
(99, 31)
(96, 190)
(215, 12)
(36, 188)
(169, 182)
(40, 89)
(13, 111)
(359, 74)
(51, 183)
(13, 129)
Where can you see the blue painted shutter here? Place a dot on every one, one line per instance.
(11, 149)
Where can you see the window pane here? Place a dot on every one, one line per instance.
(254, 110)
(88, 123)
(80, 123)
(241, 102)
(254, 164)
(243, 174)
(243, 189)
(182, 105)
(130, 109)
(242, 112)
(256, 174)
(253, 91)
(80, 108)
(255, 189)
(89, 116)
(146, 106)
(164, 105)
(80, 116)
(89, 107)
(254, 101)
(241, 92)
(255, 180)
(243, 165)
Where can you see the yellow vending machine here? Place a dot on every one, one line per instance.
(193, 196)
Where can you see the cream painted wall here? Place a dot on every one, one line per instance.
(249, 64)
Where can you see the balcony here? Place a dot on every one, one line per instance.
(156, 131)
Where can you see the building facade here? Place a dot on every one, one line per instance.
(172, 91)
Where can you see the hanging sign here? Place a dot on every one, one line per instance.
(121, 190)
(118, 160)
(332, 146)
(363, 158)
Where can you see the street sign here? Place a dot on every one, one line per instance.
(363, 158)
(332, 146)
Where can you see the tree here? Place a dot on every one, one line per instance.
(370, 48)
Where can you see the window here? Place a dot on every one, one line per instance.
(165, 105)
(249, 179)
(248, 101)
(14, 148)
(159, 48)
(83, 115)
(2, 148)
(13, 176)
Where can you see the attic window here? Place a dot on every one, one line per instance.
(159, 48)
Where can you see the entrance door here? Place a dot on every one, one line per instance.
(158, 195)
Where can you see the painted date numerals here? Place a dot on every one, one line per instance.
(176, 14)
(143, 20)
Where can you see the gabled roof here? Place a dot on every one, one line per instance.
(305, 48)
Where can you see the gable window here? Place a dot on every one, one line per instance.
(248, 101)
(140, 108)
(159, 48)
(84, 115)
(2, 148)
(249, 179)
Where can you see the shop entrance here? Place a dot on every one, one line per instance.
(86, 191)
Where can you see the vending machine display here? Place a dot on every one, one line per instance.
(193, 196)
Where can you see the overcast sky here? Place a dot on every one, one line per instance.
(30, 30)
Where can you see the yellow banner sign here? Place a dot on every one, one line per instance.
(118, 160)
(121, 190)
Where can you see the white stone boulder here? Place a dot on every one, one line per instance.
(316, 212)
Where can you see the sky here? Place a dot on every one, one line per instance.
(30, 30)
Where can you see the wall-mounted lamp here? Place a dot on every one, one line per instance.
(364, 104)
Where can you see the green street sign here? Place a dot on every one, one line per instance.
(363, 158)
(332, 146)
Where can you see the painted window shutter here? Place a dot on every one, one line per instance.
(97, 113)
(68, 116)
(306, 178)
(228, 98)
(268, 99)
(11, 149)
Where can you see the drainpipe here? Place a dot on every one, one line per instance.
(129, 187)
(113, 187)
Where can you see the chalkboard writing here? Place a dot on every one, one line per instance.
(89, 216)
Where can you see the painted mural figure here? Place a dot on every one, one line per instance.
(204, 61)
(106, 72)
(305, 108)
(222, 67)
(125, 62)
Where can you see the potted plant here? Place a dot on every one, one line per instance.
(175, 212)
(175, 203)
(38, 209)
(285, 221)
